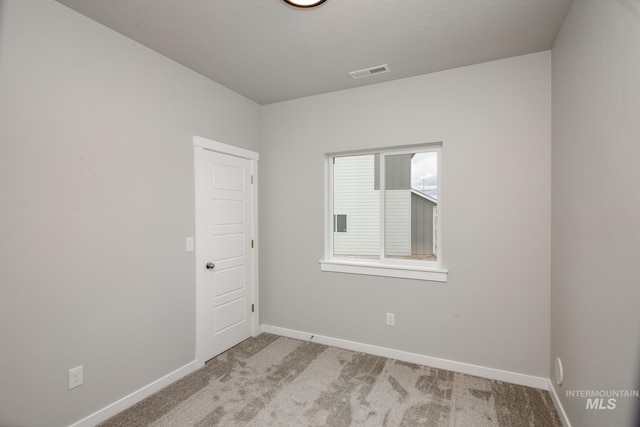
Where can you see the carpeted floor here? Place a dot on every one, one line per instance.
(276, 381)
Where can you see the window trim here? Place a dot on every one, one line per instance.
(387, 267)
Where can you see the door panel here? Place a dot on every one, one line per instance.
(228, 246)
(228, 178)
(228, 212)
(229, 314)
(230, 280)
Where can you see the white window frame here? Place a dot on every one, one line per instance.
(388, 267)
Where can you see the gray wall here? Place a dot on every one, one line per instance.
(595, 274)
(494, 122)
(96, 179)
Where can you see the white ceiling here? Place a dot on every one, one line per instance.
(269, 51)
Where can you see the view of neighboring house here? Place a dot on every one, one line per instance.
(410, 215)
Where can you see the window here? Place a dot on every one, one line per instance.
(340, 225)
(391, 198)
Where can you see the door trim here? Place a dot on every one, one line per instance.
(199, 146)
(220, 147)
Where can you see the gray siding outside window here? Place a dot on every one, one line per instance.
(421, 225)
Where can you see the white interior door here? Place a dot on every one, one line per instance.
(224, 236)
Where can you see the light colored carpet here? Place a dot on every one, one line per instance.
(276, 381)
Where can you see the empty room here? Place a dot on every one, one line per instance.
(271, 212)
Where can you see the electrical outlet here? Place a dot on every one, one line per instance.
(75, 377)
(559, 372)
(391, 319)
(189, 244)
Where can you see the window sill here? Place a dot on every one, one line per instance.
(377, 268)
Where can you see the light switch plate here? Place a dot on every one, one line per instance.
(189, 245)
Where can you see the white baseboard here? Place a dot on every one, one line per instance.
(133, 398)
(465, 368)
(556, 402)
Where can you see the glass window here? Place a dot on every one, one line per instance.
(391, 200)
(341, 223)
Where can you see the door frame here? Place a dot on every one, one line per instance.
(199, 146)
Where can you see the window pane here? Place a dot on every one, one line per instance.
(411, 202)
(341, 223)
(356, 196)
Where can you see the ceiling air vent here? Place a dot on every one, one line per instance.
(368, 72)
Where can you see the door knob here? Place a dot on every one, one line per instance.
(210, 266)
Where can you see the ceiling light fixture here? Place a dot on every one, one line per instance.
(304, 3)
